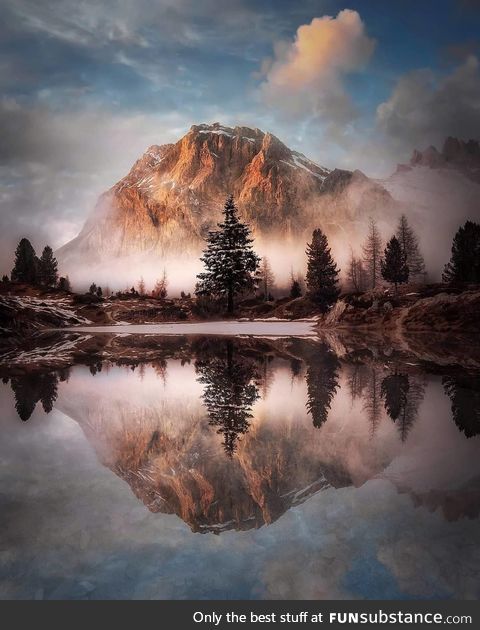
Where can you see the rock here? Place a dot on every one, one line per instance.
(455, 153)
(175, 193)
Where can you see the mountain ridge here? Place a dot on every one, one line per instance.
(174, 193)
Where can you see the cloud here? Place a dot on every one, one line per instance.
(307, 76)
(424, 108)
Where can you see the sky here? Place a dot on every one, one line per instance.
(86, 87)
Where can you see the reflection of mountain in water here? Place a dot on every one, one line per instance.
(154, 424)
(166, 451)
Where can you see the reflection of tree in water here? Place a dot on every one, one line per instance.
(402, 396)
(265, 374)
(464, 393)
(395, 394)
(322, 383)
(29, 389)
(373, 399)
(230, 390)
(357, 379)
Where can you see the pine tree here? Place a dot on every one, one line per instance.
(26, 263)
(295, 286)
(48, 268)
(464, 265)
(409, 244)
(322, 272)
(64, 284)
(372, 254)
(295, 289)
(160, 289)
(141, 286)
(394, 266)
(92, 289)
(229, 259)
(356, 276)
(266, 277)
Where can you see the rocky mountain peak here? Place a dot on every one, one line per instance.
(456, 153)
(174, 194)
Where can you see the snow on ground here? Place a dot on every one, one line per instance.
(233, 328)
(59, 351)
(58, 307)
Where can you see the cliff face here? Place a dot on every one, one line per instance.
(174, 194)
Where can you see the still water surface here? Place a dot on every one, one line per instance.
(241, 468)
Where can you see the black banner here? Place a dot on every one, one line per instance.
(223, 615)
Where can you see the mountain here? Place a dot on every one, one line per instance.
(439, 191)
(175, 193)
(456, 154)
(163, 208)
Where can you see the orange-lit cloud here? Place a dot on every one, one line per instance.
(306, 76)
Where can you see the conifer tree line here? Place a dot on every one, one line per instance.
(38, 271)
(233, 270)
(232, 267)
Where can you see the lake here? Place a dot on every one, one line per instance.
(228, 467)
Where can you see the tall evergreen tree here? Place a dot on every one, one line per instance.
(322, 272)
(394, 266)
(295, 286)
(267, 279)
(26, 263)
(464, 265)
(230, 261)
(372, 254)
(48, 268)
(409, 244)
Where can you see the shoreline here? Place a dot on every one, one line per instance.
(251, 328)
